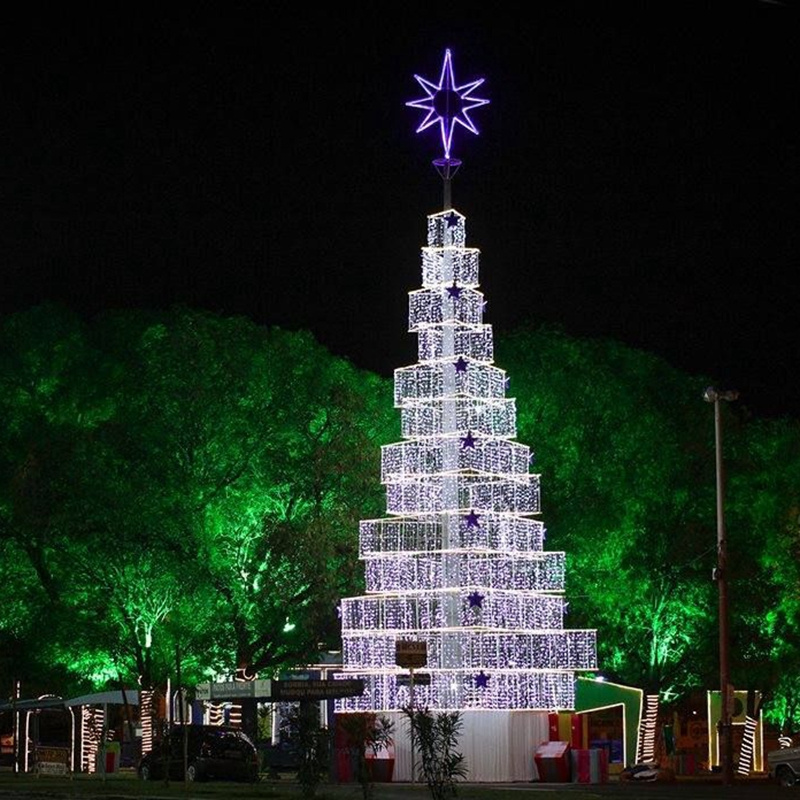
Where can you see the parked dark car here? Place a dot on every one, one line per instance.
(784, 765)
(214, 753)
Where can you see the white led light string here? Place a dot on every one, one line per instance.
(423, 610)
(497, 418)
(459, 562)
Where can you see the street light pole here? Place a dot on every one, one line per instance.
(712, 395)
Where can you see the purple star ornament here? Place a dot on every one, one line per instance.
(454, 291)
(452, 219)
(475, 600)
(468, 441)
(461, 364)
(481, 680)
(447, 104)
(472, 520)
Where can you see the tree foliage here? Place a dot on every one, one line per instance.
(763, 504)
(625, 446)
(436, 736)
(185, 479)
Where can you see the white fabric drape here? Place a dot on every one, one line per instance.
(498, 746)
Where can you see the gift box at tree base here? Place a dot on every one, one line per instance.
(589, 766)
(553, 762)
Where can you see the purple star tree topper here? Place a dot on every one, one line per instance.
(447, 104)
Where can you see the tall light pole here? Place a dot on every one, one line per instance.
(713, 395)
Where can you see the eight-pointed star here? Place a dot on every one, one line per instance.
(447, 104)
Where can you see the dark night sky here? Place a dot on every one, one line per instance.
(636, 176)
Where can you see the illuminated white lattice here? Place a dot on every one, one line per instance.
(498, 532)
(92, 725)
(451, 689)
(533, 572)
(435, 456)
(430, 611)
(148, 715)
(428, 307)
(459, 563)
(447, 230)
(216, 713)
(480, 650)
(450, 266)
(488, 418)
(747, 751)
(474, 343)
(443, 380)
(647, 730)
(436, 495)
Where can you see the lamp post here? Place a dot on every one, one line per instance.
(713, 395)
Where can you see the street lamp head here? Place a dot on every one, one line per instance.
(713, 395)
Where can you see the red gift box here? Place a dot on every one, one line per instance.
(590, 766)
(552, 762)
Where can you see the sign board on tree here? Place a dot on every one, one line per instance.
(410, 654)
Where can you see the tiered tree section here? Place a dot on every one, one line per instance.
(459, 563)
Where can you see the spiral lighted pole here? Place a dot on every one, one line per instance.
(713, 395)
(447, 105)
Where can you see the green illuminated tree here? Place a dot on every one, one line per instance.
(186, 481)
(763, 504)
(625, 464)
(196, 487)
(280, 570)
(247, 442)
(46, 401)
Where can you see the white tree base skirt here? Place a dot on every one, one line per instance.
(498, 746)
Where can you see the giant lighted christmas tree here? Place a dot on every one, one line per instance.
(459, 560)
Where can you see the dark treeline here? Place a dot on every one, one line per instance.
(184, 479)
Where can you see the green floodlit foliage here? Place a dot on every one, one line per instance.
(626, 451)
(764, 499)
(626, 485)
(211, 490)
(184, 482)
